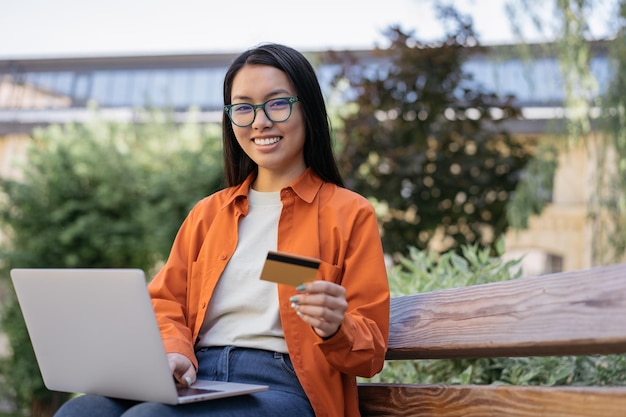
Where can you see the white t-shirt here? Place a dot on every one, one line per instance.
(244, 310)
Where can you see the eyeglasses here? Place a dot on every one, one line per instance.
(277, 110)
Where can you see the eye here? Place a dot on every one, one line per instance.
(242, 108)
(278, 103)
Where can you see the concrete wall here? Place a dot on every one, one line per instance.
(563, 229)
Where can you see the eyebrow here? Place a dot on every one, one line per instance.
(279, 91)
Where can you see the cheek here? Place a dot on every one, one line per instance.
(302, 134)
(240, 136)
(299, 126)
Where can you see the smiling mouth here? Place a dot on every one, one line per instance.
(266, 141)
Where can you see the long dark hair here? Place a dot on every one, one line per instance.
(318, 152)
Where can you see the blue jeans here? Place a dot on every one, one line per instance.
(284, 398)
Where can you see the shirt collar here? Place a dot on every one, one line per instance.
(306, 186)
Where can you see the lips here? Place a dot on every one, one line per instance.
(266, 141)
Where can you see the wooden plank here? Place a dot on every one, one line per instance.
(572, 313)
(490, 401)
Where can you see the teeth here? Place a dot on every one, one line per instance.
(266, 141)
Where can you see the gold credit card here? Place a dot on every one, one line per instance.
(290, 269)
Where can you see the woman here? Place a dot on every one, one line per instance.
(218, 320)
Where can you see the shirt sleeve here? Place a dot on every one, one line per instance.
(168, 291)
(359, 346)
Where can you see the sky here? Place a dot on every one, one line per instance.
(70, 28)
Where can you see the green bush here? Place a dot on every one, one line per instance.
(103, 194)
(424, 271)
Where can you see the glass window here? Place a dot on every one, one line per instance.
(102, 88)
(180, 87)
(42, 90)
(159, 91)
(533, 82)
(82, 89)
(7, 91)
(140, 90)
(202, 85)
(537, 81)
(63, 83)
(119, 95)
(215, 92)
(600, 68)
(204, 88)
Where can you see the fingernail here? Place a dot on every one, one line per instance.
(294, 299)
(294, 306)
(188, 380)
(301, 287)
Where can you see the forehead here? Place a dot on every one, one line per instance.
(260, 81)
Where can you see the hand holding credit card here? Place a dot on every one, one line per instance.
(289, 269)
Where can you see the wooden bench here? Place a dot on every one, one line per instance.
(570, 313)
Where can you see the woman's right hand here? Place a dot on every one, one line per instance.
(182, 369)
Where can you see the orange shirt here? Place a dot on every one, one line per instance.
(320, 220)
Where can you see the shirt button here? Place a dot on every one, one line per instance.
(223, 257)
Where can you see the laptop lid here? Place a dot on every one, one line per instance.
(94, 331)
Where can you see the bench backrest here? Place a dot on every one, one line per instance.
(571, 313)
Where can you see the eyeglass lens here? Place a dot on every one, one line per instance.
(277, 110)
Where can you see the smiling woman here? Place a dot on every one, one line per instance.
(218, 319)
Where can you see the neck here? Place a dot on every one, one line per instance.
(268, 181)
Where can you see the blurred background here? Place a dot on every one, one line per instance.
(485, 132)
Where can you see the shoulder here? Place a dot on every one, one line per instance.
(219, 197)
(215, 202)
(334, 196)
(341, 194)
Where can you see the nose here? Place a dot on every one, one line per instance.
(260, 119)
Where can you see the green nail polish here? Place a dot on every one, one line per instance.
(300, 287)
(294, 299)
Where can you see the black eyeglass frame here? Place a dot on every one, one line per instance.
(291, 100)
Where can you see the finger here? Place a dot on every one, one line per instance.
(316, 304)
(182, 369)
(321, 314)
(320, 317)
(324, 287)
(186, 379)
(320, 300)
(324, 328)
(189, 377)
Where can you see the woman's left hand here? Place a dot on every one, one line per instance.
(322, 304)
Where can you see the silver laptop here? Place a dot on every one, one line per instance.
(94, 331)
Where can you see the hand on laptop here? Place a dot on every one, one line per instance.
(182, 369)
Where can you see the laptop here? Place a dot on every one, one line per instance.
(94, 331)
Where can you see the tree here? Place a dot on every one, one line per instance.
(612, 177)
(568, 28)
(427, 143)
(104, 194)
